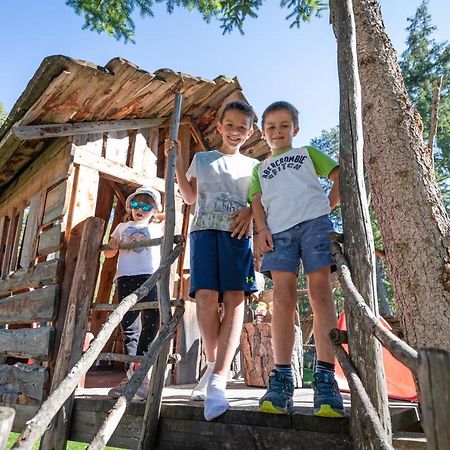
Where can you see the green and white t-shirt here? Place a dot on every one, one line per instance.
(291, 191)
(222, 187)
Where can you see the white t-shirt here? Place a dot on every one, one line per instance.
(142, 260)
(291, 191)
(222, 187)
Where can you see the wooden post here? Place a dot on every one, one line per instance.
(6, 423)
(358, 237)
(434, 384)
(148, 436)
(75, 325)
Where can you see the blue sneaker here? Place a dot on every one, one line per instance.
(278, 397)
(327, 398)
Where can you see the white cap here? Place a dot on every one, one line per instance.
(154, 194)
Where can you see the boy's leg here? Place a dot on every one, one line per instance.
(327, 398)
(209, 324)
(280, 391)
(230, 329)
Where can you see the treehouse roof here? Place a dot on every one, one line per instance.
(65, 90)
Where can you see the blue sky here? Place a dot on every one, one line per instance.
(271, 61)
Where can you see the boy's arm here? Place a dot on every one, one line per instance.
(334, 196)
(262, 232)
(188, 188)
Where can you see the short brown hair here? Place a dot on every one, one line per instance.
(238, 105)
(281, 106)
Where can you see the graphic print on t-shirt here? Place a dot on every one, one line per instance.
(133, 234)
(283, 163)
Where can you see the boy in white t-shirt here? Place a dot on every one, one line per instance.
(291, 218)
(221, 260)
(133, 268)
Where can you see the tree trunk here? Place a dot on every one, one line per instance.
(414, 224)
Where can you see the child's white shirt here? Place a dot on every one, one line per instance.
(291, 191)
(222, 187)
(142, 260)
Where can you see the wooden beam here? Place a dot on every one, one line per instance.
(35, 343)
(43, 274)
(434, 384)
(75, 325)
(34, 306)
(28, 379)
(115, 171)
(28, 132)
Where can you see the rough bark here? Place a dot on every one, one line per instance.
(414, 225)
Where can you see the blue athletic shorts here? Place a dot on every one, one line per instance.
(307, 241)
(221, 263)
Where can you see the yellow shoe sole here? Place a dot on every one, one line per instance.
(267, 407)
(328, 411)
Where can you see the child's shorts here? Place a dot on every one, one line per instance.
(308, 242)
(221, 263)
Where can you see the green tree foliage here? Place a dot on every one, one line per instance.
(422, 63)
(115, 16)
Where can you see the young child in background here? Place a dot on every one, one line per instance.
(134, 267)
(221, 260)
(291, 218)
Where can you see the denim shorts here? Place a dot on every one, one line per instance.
(308, 242)
(221, 263)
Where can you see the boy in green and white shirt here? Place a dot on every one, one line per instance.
(291, 216)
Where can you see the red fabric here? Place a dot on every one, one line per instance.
(399, 379)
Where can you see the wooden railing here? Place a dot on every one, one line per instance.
(431, 367)
(157, 351)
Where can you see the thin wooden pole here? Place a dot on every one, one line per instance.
(379, 439)
(113, 418)
(358, 236)
(148, 436)
(178, 239)
(37, 425)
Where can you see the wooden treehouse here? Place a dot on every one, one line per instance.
(77, 142)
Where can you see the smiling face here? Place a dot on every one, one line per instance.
(279, 130)
(235, 128)
(139, 215)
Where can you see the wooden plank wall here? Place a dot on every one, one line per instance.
(31, 233)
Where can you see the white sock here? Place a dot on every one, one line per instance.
(216, 402)
(199, 392)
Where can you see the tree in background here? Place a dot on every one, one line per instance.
(422, 63)
(114, 16)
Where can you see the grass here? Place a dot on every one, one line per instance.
(71, 445)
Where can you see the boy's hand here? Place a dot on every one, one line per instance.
(265, 241)
(114, 243)
(242, 220)
(169, 145)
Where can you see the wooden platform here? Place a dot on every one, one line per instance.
(182, 425)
